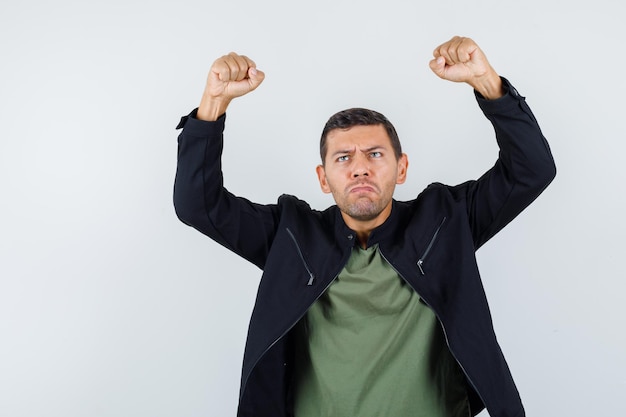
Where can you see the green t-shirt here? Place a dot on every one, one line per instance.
(368, 347)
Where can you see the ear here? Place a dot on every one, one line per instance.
(321, 176)
(403, 166)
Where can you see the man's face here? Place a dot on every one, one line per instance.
(361, 171)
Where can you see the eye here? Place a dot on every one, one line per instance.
(343, 158)
(376, 154)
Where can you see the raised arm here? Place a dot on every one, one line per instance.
(200, 199)
(524, 167)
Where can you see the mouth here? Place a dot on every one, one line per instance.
(362, 188)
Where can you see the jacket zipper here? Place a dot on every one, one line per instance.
(421, 260)
(243, 386)
(306, 266)
(443, 328)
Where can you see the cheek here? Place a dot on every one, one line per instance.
(329, 182)
(330, 185)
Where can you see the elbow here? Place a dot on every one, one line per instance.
(181, 213)
(182, 209)
(549, 166)
(553, 172)
(543, 176)
(549, 173)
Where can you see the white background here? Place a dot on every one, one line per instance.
(109, 306)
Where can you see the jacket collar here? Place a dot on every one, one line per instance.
(381, 233)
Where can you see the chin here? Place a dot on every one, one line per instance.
(359, 212)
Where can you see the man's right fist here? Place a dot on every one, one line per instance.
(230, 76)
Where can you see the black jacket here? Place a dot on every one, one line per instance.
(430, 241)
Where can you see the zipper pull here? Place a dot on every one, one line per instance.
(430, 246)
(306, 266)
(419, 265)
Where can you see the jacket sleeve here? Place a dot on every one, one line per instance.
(201, 201)
(524, 168)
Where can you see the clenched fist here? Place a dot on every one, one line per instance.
(461, 60)
(230, 76)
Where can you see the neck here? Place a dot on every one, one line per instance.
(363, 228)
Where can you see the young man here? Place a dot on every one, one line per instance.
(372, 307)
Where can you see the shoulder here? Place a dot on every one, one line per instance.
(454, 192)
(436, 197)
(289, 203)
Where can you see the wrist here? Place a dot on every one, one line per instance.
(210, 108)
(489, 86)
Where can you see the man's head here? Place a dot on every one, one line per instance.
(359, 117)
(362, 162)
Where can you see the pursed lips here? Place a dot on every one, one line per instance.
(362, 187)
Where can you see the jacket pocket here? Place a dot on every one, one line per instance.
(301, 255)
(431, 244)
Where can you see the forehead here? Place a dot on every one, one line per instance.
(370, 135)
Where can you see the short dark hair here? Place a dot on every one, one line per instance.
(346, 119)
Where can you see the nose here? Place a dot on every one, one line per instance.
(360, 167)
